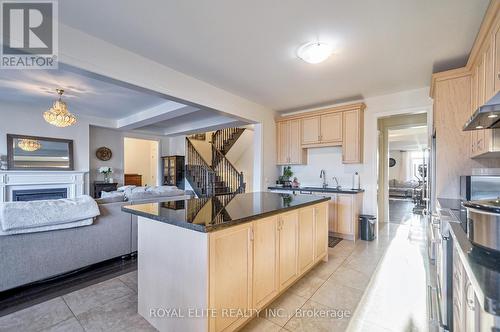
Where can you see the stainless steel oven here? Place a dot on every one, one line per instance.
(443, 247)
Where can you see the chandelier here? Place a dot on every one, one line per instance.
(29, 144)
(58, 114)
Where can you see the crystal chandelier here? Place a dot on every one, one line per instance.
(58, 114)
(29, 144)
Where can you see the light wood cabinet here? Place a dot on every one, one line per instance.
(338, 126)
(321, 231)
(230, 275)
(496, 54)
(306, 238)
(288, 245)
(346, 217)
(322, 130)
(289, 148)
(311, 130)
(464, 299)
(265, 261)
(352, 152)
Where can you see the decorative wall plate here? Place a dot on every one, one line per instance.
(392, 162)
(103, 153)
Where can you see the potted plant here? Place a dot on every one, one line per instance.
(287, 174)
(106, 171)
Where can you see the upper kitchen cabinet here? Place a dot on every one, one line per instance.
(322, 130)
(338, 126)
(352, 143)
(483, 72)
(288, 145)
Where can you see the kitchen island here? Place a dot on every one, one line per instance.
(210, 264)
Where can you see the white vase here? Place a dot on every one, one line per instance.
(110, 180)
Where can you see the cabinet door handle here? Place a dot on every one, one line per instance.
(251, 234)
(470, 302)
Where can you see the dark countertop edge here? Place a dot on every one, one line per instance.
(462, 242)
(327, 191)
(212, 228)
(481, 207)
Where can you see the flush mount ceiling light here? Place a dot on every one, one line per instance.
(492, 116)
(315, 52)
(29, 144)
(58, 114)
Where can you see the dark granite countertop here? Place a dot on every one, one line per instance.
(319, 189)
(483, 270)
(221, 211)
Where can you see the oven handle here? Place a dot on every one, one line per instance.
(306, 192)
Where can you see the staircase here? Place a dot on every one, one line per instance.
(221, 177)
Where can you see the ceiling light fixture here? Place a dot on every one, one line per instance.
(479, 127)
(58, 114)
(29, 144)
(492, 116)
(315, 52)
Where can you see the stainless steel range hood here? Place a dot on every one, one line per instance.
(486, 116)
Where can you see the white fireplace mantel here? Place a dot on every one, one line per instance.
(73, 181)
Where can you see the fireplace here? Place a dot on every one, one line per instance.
(39, 194)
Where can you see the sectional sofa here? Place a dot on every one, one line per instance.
(28, 258)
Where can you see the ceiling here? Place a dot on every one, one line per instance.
(106, 102)
(249, 48)
(85, 95)
(408, 139)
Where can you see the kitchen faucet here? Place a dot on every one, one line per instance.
(336, 181)
(322, 175)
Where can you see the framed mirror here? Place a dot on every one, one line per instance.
(39, 153)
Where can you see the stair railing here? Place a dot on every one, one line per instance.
(226, 172)
(198, 172)
(221, 136)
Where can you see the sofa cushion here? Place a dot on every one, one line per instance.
(111, 199)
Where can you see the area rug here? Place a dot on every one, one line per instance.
(333, 241)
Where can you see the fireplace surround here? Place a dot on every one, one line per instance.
(13, 183)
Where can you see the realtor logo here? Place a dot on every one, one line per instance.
(29, 35)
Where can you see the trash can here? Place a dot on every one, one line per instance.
(367, 227)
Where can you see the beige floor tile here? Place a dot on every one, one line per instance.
(349, 277)
(36, 318)
(119, 315)
(339, 251)
(96, 295)
(315, 317)
(283, 308)
(358, 325)
(366, 265)
(325, 269)
(338, 296)
(307, 285)
(69, 325)
(259, 324)
(130, 279)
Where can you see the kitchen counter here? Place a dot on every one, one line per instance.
(215, 261)
(482, 270)
(224, 210)
(329, 190)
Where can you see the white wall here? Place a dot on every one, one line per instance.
(405, 102)
(79, 49)
(16, 120)
(394, 172)
(32, 123)
(241, 156)
(114, 139)
(141, 157)
(330, 160)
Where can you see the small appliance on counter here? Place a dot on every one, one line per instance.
(483, 224)
(477, 187)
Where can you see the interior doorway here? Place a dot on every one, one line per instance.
(403, 167)
(141, 162)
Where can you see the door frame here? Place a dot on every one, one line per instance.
(384, 124)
